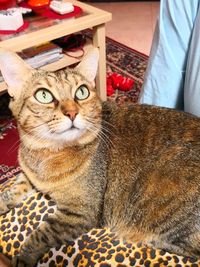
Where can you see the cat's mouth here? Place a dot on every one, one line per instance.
(65, 130)
(72, 128)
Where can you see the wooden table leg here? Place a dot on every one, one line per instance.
(99, 41)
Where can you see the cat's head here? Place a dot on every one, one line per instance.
(53, 109)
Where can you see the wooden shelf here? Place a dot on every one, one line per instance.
(67, 60)
(62, 63)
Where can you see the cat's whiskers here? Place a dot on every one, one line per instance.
(42, 135)
(33, 130)
(108, 123)
(110, 130)
(107, 130)
(15, 145)
(106, 138)
(54, 122)
(98, 134)
(92, 127)
(103, 126)
(38, 139)
(40, 131)
(104, 130)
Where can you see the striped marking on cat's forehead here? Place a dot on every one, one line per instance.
(71, 77)
(67, 82)
(46, 80)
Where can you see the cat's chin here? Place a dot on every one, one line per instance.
(69, 135)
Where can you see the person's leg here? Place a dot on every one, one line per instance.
(192, 77)
(164, 78)
(4, 261)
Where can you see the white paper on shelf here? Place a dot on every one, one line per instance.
(40, 61)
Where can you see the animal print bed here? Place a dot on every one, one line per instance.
(99, 247)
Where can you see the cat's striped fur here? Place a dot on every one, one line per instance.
(133, 168)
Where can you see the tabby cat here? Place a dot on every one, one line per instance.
(133, 168)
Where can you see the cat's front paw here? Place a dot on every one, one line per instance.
(26, 257)
(3, 207)
(16, 262)
(22, 261)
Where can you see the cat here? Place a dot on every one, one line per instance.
(134, 168)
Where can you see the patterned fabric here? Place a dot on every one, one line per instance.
(99, 247)
(7, 172)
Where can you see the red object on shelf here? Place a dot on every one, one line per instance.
(38, 3)
(23, 27)
(45, 11)
(4, 4)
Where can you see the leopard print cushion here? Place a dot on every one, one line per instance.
(99, 247)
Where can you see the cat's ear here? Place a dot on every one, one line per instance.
(15, 71)
(89, 64)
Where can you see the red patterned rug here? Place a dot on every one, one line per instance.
(120, 59)
(9, 141)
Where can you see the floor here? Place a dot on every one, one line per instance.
(132, 24)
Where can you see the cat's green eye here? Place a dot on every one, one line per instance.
(82, 93)
(44, 96)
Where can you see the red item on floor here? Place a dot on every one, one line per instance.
(117, 81)
(110, 90)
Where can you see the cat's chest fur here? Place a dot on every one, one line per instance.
(55, 170)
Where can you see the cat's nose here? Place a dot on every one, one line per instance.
(71, 114)
(70, 109)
